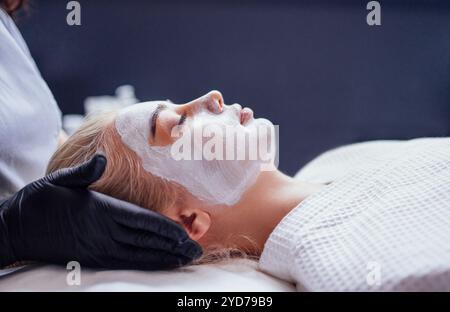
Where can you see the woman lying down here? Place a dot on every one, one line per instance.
(368, 216)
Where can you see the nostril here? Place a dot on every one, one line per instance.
(217, 95)
(214, 102)
(214, 106)
(220, 104)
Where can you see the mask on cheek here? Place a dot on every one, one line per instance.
(216, 177)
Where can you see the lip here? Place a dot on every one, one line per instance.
(245, 114)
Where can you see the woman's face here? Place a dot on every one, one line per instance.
(197, 144)
(165, 116)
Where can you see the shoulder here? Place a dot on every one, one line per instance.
(338, 161)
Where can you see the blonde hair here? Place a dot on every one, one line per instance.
(124, 176)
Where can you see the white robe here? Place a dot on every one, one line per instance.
(382, 225)
(30, 120)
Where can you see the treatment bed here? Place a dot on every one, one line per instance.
(238, 275)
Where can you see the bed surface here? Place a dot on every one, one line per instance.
(239, 275)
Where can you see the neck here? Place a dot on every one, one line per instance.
(261, 208)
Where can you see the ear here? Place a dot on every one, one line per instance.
(196, 222)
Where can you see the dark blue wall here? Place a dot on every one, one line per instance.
(313, 67)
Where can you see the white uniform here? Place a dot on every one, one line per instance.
(383, 224)
(30, 120)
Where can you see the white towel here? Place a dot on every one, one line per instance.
(383, 224)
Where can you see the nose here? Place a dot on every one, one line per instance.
(213, 100)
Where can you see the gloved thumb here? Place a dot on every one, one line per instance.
(80, 176)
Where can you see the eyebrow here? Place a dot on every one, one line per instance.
(155, 117)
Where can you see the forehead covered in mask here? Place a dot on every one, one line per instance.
(134, 123)
(215, 181)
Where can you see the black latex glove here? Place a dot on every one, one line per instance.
(57, 220)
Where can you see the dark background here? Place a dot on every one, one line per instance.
(313, 67)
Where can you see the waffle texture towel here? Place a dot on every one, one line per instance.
(383, 224)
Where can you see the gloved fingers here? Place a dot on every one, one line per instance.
(147, 240)
(80, 176)
(145, 259)
(139, 218)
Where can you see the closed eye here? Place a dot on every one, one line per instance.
(154, 118)
(182, 119)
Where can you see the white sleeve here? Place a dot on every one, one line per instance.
(30, 120)
(4, 272)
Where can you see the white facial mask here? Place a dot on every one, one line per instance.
(215, 181)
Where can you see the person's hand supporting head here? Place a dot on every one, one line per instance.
(57, 219)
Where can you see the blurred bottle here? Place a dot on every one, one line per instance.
(71, 122)
(124, 96)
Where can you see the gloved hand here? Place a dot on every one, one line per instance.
(57, 220)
